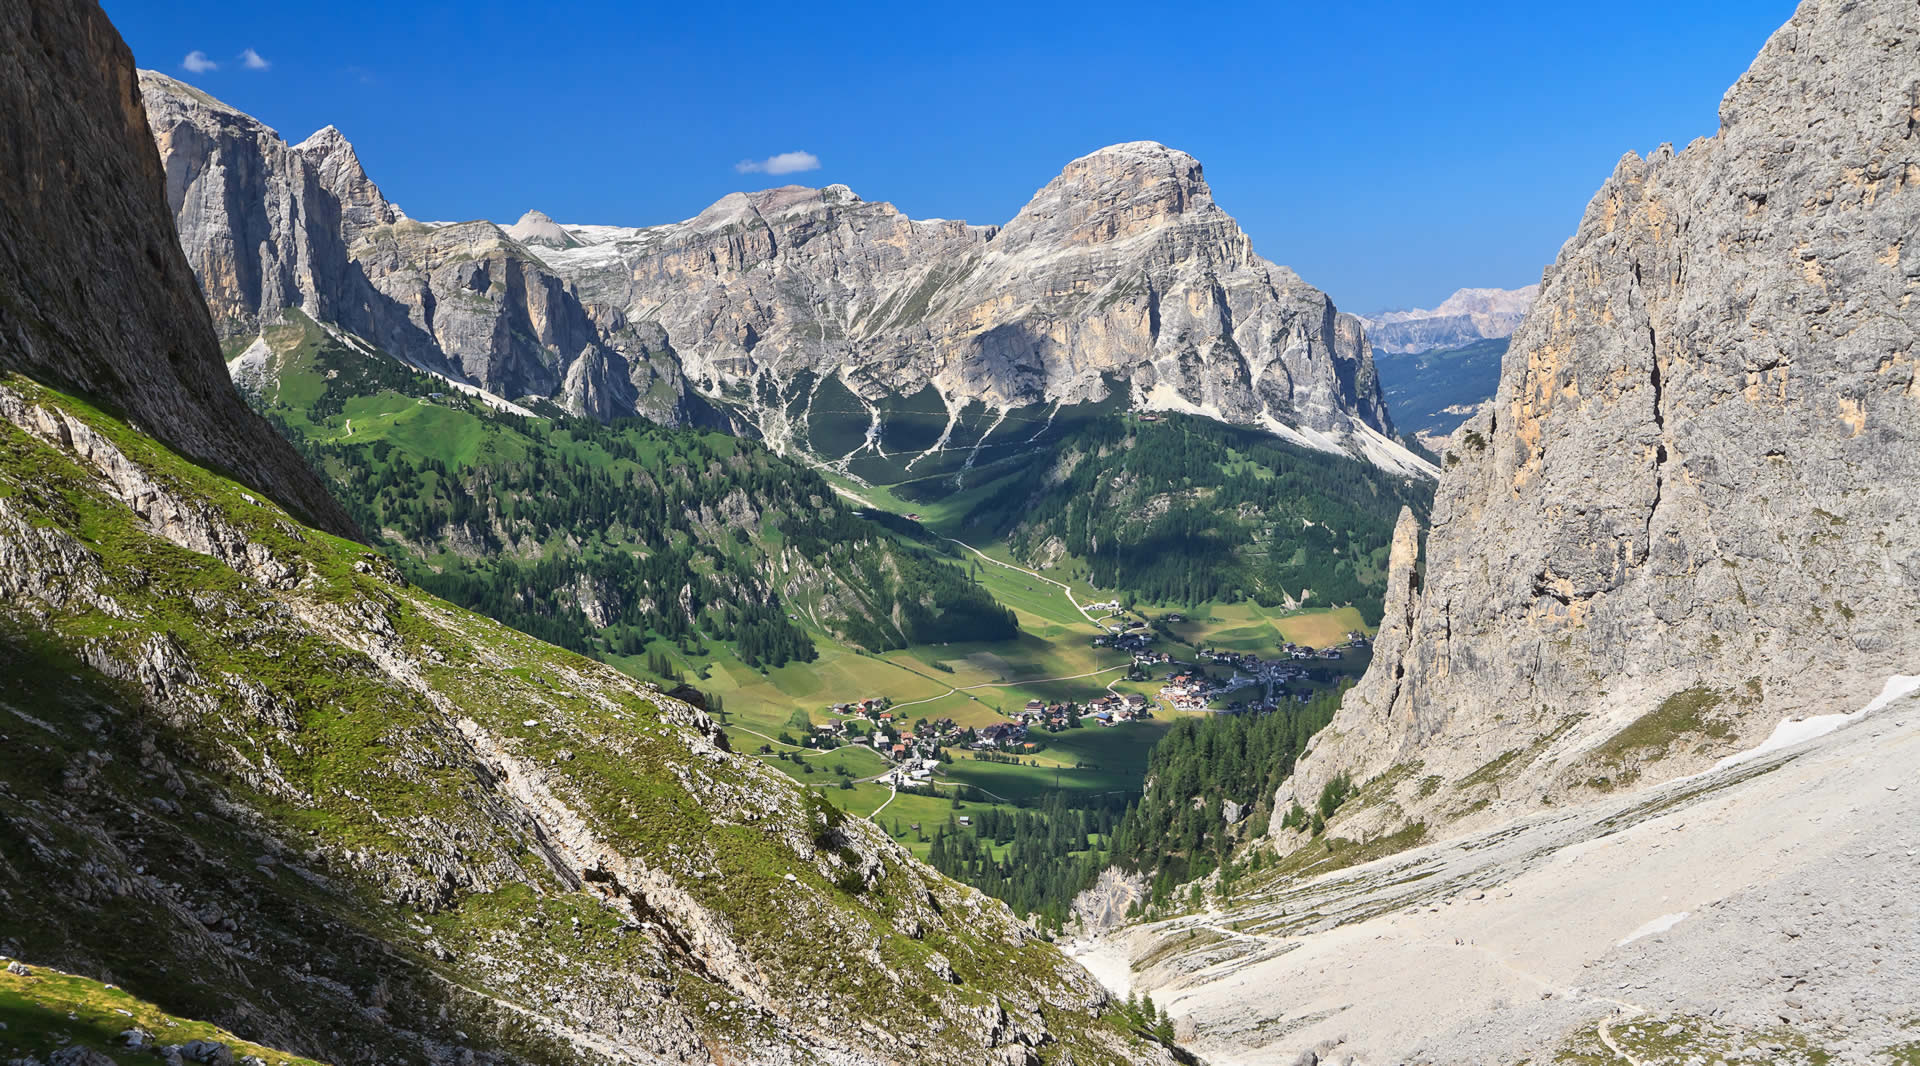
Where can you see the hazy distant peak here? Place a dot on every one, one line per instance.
(1462, 318)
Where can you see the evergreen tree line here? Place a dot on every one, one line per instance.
(936, 601)
(1253, 516)
(1051, 854)
(1171, 838)
(659, 529)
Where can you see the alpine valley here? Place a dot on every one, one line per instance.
(801, 455)
(804, 634)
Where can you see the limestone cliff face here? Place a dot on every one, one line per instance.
(259, 226)
(269, 226)
(1687, 513)
(95, 296)
(362, 205)
(1122, 270)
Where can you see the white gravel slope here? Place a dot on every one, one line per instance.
(1777, 893)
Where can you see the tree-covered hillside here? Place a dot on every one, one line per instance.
(1177, 831)
(1187, 510)
(603, 538)
(1432, 392)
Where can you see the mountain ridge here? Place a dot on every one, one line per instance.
(739, 313)
(257, 777)
(1679, 523)
(1626, 778)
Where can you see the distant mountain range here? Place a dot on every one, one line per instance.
(1466, 316)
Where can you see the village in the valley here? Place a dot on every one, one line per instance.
(1205, 681)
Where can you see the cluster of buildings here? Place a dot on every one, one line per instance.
(1113, 710)
(1188, 691)
(1107, 710)
(1136, 640)
(1195, 691)
(1002, 736)
(889, 733)
(1052, 717)
(867, 708)
(911, 772)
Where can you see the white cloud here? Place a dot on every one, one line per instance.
(198, 63)
(784, 163)
(252, 60)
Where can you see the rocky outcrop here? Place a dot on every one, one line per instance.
(268, 226)
(95, 296)
(1121, 273)
(258, 226)
(479, 848)
(536, 229)
(1462, 318)
(1687, 514)
(362, 205)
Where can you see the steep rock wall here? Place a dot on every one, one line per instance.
(95, 296)
(1688, 512)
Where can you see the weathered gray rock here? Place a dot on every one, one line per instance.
(78, 1055)
(268, 227)
(257, 224)
(210, 1052)
(1692, 495)
(536, 229)
(1121, 272)
(19, 969)
(99, 299)
(362, 206)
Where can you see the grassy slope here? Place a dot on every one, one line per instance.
(379, 431)
(46, 1011)
(334, 725)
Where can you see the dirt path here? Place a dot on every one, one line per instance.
(1606, 1037)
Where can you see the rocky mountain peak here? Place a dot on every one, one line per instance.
(1118, 192)
(770, 205)
(1489, 301)
(537, 229)
(166, 97)
(1120, 273)
(1465, 316)
(362, 206)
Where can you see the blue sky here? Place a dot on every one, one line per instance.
(1389, 152)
